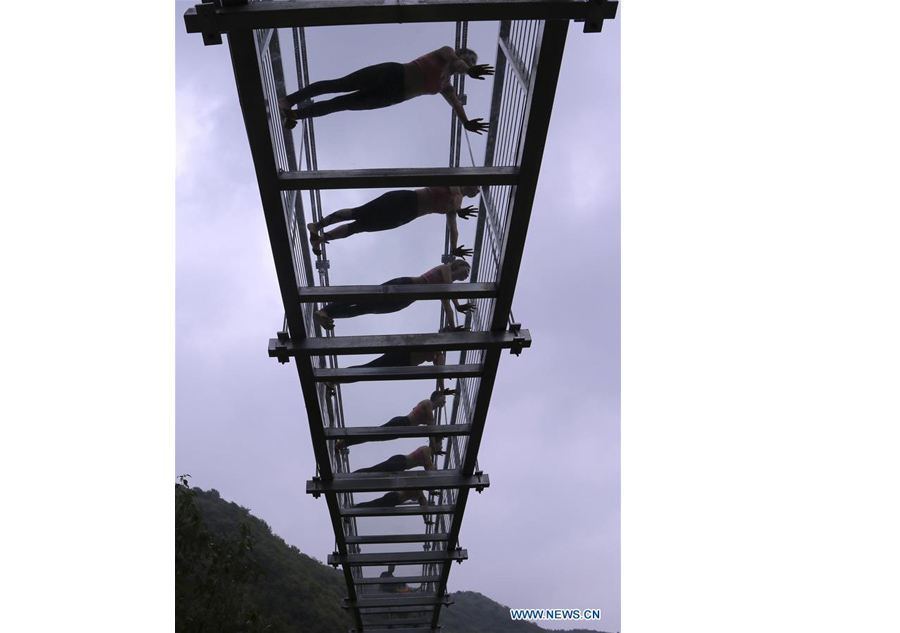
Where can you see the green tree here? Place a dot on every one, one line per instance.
(212, 573)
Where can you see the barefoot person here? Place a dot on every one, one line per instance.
(457, 270)
(422, 456)
(388, 84)
(393, 499)
(422, 413)
(396, 208)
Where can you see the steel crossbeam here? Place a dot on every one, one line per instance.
(398, 558)
(399, 511)
(441, 342)
(402, 292)
(409, 626)
(396, 580)
(419, 611)
(390, 178)
(214, 20)
(369, 539)
(380, 433)
(359, 374)
(393, 482)
(398, 601)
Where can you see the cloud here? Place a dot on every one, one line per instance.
(195, 120)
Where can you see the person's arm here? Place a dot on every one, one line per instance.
(451, 316)
(454, 231)
(429, 462)
(439, 359)
(450, 97)
(475, 125)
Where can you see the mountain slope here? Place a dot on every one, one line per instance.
(472, 612)
(298, 594)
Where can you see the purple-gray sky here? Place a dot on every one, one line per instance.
(546, 534)
(760, 337)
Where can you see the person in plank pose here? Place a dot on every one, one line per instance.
(387, 84)
(457, 270)
(422, 413)
(393, 499)
(396, 208)
(422, 456)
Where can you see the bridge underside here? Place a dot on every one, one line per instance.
(532, 36)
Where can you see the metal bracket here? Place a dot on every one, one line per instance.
(206, 13)
(599, 10)
(446, 259)
(316, 494)
(518, 341)
(322, 265)
(281, 351)
(478, 474)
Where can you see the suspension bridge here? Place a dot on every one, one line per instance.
(268, 39)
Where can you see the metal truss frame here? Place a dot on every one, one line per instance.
(501, 233)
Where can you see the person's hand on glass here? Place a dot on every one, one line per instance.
(467, 212)
(466, 308)
(479, 71)
(461, 251)
(476, 125)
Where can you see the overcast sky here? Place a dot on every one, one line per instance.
(760, 370)
(546, 533)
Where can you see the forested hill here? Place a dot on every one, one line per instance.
(233, 574)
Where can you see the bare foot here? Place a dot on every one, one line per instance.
(288, 119)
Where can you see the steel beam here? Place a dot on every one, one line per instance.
(396, 580)
(391, 482)
(245, 63)
(398, 511)
(377, 433)
(398, 558)
(382, 344)
(360, 374)
(390, 178)
(397, 600)
(409, 626)
(288, 13)
(418, 611)
(403, 292)
(250, 93)
(369, 539)
(538, 109)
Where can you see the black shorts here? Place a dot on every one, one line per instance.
(388, 211)
(391, 86)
